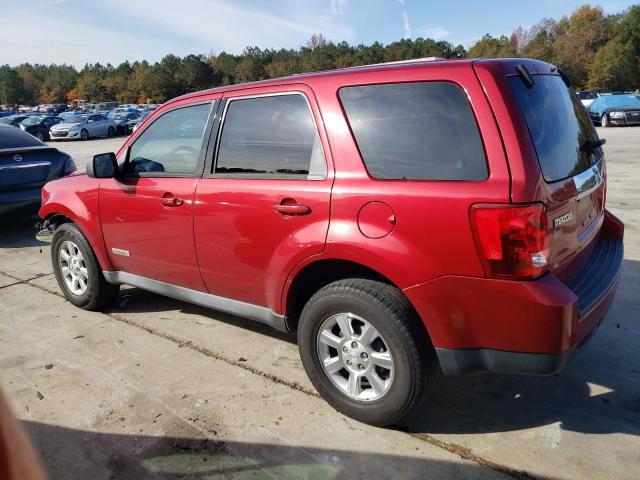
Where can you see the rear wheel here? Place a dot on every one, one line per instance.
(365, 351)
(84, 135)
(77, 270)
(40, 136)
(604, 121)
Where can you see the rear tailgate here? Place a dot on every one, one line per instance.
(25, 168)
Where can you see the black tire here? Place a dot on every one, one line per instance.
(386, 309)
(604, 121)
(111, 132)
(99, 293)
(84, 135)
(40, 136)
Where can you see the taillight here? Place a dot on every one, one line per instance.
(512, 240)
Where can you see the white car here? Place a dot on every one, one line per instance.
(587, 98)
(82, 127)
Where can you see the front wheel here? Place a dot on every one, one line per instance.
(84, 135)
(111, 132)
(40, 136)
(365, 350)
(77, 270)
(604, 121)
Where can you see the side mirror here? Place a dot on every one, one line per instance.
(103, 165)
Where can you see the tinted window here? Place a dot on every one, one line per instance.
(270, 135)
(171, 143)
(11, 137)
(558, 124)
(422, 131)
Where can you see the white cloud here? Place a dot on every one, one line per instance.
(406, 25)
(121, 30)
(338, 7)
(434, 31)
(401, 2)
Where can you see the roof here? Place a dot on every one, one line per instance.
(300, 77)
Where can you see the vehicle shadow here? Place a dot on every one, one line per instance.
(18, 228)
(598, 393)
(68, 453)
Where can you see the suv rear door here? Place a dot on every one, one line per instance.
(262, 205)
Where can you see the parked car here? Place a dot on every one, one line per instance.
(13, 120)
(39, 126)
(123, 119)
(26, 164)
(587, 98)
(82, 127)
(134, 124)
(456, 224)
(614, 110)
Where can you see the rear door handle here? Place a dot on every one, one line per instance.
(288, 207)
(168, 200)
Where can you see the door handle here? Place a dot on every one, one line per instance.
(168, 200)
(288, 206)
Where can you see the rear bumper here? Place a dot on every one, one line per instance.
(19, 198)
(525, 327)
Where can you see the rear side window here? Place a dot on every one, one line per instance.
(415, 131)
(272, 135)
(559, 125)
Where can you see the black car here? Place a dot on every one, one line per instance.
(26, 164)
(39, 126)
(13, 120)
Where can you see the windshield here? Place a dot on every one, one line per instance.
(31, 121)
(621, 100)
(77, 119)
(559, 125)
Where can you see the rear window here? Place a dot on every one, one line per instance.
(11, 137)
(558, 124)
(415, 131)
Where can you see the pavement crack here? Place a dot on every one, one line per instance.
(19, 281)
(464, 453)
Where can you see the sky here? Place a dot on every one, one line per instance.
(77, 32)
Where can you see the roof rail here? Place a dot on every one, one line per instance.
(396, 62)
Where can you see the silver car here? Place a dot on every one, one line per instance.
(82, 127)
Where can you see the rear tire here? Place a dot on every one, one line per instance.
(40, 136)
(604, 121)
(77, 270)
(391, 373)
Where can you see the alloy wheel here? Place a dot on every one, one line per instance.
(73, 268)
(355, 357)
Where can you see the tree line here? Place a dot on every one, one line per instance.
(596, 50)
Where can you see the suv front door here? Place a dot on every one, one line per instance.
(263, 203)
(147, 212)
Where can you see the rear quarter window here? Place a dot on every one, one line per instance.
(415, 131)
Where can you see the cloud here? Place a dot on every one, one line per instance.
(401, 2)
(406, 25)
(338, 7)
(121, 30)
(434, 31)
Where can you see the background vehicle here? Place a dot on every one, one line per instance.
(13, 120)
(618, 109)
(82, 127)
(135, 123)
(39, 126)
(458, 199)
(587, 98)
(26, 164)
(123, 119)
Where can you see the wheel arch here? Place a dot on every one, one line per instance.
(317, 274)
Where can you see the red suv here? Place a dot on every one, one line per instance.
(403, 219)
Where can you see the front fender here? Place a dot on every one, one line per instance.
(76, 198)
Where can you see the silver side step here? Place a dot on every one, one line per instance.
(223, 304)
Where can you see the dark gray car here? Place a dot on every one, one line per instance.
(26, 164)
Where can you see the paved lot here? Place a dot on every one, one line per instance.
(157, 388)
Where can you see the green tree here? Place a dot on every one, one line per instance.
(11, 86)
(492, 47)
(614, 67)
